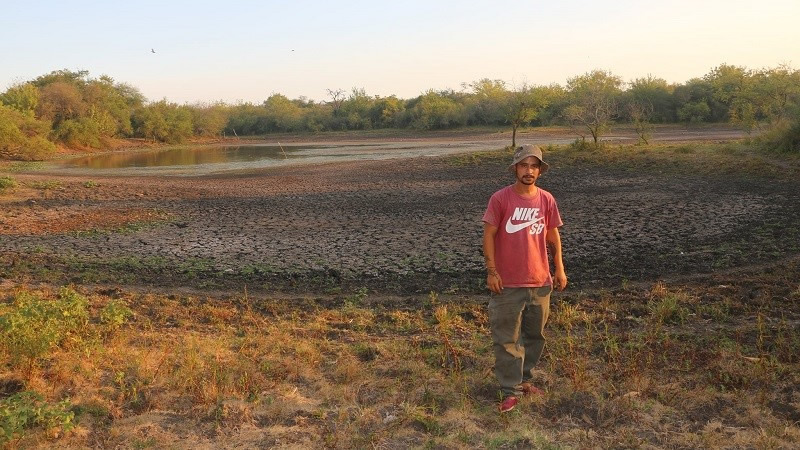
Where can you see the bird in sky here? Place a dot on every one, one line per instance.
(152, 50)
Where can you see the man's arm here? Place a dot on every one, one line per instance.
(560, 277)
(493, 281)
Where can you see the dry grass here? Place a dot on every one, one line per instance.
(707, 364)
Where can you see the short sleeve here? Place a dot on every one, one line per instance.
(493, 214)
(553, 216)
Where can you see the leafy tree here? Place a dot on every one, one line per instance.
(110, 105)
(133, 98)
(437, 110)
(245, 119)
(778, 90)
(733, 88)
(656, 93)
(317, 118)
(76, 78)
(22, 135)
(60, 101)
(209, 120)
(727, 82)
(80, 132)
(553, 112)
(594, 100)
(784, 135)
(163, 121)
(523, 104)
(694, 100)
(149, 123)
(386, 112)
(694, 112)
(280, 114)
(641, 113)
(775, 92)
(489, 102)
(356, 110)
(23, 97)
(337, 98)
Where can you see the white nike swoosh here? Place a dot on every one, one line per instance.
(511, 228)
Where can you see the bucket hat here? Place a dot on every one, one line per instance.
(525, 151)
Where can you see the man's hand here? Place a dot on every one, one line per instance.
(493, 281)
(560, 280)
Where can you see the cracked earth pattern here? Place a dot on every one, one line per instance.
(399, 225)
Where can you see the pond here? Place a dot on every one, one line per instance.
(200, 160)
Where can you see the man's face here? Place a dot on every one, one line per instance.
(528, 170)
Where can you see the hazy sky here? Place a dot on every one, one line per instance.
(246, 50)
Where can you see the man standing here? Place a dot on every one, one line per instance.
(519, 223)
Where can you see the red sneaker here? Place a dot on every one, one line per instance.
(529, 389)
(508, 404)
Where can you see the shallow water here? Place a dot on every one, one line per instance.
(214, 159)
(188, 156)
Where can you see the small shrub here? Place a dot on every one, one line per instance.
(365, 352)
(46, 185)
(27, 409)
(22, 136)
(82, 132)
(783, 137)
(694, 112)
(357, 298)
(35, 326)
(581, 144)
(115, 314)
(7, 183)
(91, 184)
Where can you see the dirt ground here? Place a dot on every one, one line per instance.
(397, 226)
(290, 307)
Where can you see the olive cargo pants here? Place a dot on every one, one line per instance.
(517, 318)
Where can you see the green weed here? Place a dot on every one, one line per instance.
(46, 185)
(25, 166)
(7, 183)
(141, 444)
(357, 298)
(582, 145)
(667, 307)
(34, 325)
(115, 314)
(668, 310)
(445, 324)
(27, 409)
(422, 417)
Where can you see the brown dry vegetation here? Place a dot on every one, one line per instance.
(706, 357)
(711, 363)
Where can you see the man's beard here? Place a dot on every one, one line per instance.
(527, 180)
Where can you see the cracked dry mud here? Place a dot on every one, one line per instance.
(395, 226)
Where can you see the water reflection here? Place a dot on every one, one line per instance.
(192, 160)
(188, 156)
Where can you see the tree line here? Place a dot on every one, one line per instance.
(73, 109)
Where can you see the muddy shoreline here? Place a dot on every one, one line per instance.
(396, 226)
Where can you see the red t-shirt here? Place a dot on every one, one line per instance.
(520, 248)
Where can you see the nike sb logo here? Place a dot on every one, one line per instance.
(529, 218)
